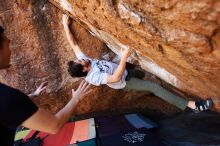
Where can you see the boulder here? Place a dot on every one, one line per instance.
(178, 41)
(40, 52)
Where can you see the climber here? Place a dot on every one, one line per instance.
(17, 109)
(100, 72)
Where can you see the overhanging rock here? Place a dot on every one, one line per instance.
(179, 41)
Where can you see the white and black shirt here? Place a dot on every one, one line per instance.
(99, 71)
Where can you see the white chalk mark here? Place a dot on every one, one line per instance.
(126, 13)
(66, 5)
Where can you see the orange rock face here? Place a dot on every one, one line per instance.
(40, 52)
(178, 41)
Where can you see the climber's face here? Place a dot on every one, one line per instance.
(5, 52)
(85, 63)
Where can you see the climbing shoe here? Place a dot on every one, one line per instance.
(203, 105)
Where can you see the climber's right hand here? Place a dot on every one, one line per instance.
(126, 53)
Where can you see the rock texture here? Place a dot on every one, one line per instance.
(40, 52)
(177, 40)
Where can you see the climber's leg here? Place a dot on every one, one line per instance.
(143, 85)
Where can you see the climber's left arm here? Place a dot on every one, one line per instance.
(70, 37)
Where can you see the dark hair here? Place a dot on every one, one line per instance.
(1, 37)
(76, 69)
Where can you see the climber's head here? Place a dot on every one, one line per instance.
(5, 52)
(79, 67)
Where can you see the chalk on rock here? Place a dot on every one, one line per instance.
(125, 13)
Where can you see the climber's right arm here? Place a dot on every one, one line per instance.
(117, 75)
